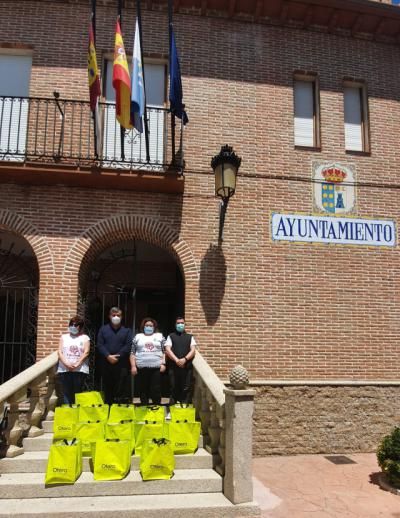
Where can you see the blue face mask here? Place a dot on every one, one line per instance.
(180, 327)
(73, 330)
(148, 330)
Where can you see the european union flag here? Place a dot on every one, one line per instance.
(175, 82)
(137, 96)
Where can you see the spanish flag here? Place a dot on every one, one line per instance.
(121, 81)
(93, 72)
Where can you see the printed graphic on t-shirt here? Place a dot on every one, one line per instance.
(149, 347)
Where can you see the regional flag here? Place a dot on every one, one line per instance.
(138, 95)
(121, 81)
(175, 81)
(93, 72)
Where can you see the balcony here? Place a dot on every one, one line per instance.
(51, 140)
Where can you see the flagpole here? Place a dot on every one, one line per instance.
(122, 129)
(146, 126)
(170, 2)
(93, 21)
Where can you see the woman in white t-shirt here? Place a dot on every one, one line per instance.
(148, 361)
(73, 365)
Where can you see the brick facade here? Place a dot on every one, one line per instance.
(284, 311)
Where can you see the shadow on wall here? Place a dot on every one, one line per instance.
(212, 283)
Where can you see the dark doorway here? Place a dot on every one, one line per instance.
(142, 279)
(18, 305)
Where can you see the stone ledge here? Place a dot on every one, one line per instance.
(325, 383)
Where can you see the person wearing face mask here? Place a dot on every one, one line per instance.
(114, 346)
(180, 349)
(73, 366)
(148, 361)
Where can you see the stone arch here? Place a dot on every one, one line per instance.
(14, 223)
(109, 231)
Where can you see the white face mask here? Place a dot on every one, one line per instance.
(116, 320)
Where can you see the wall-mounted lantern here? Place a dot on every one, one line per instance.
(225, 165)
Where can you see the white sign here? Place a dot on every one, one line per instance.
(325, 229)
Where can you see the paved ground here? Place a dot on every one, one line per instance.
(310, 486)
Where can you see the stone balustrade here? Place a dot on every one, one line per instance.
(226, 424)
(26, 400)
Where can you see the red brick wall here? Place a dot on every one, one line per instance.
(285, 311)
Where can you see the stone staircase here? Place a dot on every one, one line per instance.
(195, 487)
(215, 482)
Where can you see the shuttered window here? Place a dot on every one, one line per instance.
(134, 143)
(305, 113)
(15, 73)
(355, 118)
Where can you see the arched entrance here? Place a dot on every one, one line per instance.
(19, 278)
(140, 278)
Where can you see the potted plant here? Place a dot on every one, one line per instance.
(388, 455)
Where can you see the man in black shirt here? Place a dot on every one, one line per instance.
(114, 343)
(180, 348)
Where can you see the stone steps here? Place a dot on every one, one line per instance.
(36, 462)
(202, 505)
(31, 485)
(44, 441)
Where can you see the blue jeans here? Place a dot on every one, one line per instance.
(72, 383)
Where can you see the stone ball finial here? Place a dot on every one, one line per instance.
(239, 377)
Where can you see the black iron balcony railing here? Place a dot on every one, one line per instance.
(61, 131)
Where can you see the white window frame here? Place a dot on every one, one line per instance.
(135, 142)
(312, 112)
(13, 111)
(361, 112)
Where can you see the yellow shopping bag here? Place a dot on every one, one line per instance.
(149, 413)
(93, 412)
(89, 433)
(183, 412)
(65, 419)
(157, 460)
(111, 459)
(89, 398)
(120, 412)
(149, 431)
(184, 436)
(64, 465)
(124, 430)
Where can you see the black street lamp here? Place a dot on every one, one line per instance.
(226, 165)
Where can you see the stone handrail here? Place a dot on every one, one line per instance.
(210, 379)
(39, 380)
(226, 424)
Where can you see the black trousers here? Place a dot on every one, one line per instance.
(181, 384)
(116, 383)
(72, 383)
(148, 382)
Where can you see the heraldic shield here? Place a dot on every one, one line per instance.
(334, 190)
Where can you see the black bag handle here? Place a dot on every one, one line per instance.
(65, 441)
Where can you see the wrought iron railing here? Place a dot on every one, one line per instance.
(61, 131)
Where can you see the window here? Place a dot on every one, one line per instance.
(15, 73)
(306, 111)
(356, 130)
(134, 143)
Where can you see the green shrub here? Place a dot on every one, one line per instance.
(388, 455)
